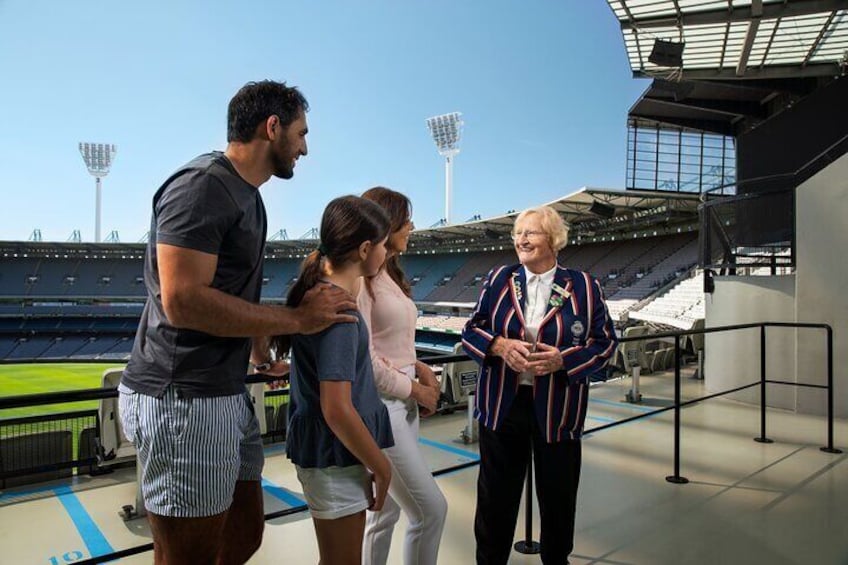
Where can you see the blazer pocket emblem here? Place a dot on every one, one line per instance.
(577, 328)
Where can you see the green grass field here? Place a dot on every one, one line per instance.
(33, 378)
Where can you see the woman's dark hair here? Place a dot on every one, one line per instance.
(348, 221)
(399, 209)
(255, 102)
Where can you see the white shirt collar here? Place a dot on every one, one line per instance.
(546, 278)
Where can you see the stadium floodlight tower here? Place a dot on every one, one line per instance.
(98, 159)
(446, 131)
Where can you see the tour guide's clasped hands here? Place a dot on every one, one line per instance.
(520, 356)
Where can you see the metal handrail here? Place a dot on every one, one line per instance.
(677, 406)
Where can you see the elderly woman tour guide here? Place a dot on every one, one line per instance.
(538, 332)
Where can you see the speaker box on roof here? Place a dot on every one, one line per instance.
(602, 210)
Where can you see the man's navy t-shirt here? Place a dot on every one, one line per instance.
(204, 206)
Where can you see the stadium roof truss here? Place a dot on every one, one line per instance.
(737, 38)
(742, 61)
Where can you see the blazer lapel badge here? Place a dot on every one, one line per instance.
(558, 295)
(516, 287)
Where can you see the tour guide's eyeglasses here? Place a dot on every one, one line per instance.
(529, 234)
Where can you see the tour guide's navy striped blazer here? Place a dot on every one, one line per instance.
(576, 321)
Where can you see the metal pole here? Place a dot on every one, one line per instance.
(634, 396)
(763, 438)
(448, 183)
(97, 212)
(829, 448)
(527, 546)
(676, 478)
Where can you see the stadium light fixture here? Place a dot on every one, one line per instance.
(98, 159)
(446, 131)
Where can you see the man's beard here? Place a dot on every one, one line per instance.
(283, 168)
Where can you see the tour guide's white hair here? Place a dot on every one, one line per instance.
(552, 224)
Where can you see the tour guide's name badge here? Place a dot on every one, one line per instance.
(559, 295)
(516, 286)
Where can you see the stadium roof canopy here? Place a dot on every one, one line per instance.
(741, 61)
(738, 38)
(593, 214)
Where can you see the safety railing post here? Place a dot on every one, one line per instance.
(763, 438)
(676, 478)
(829, 447)
(527, 546)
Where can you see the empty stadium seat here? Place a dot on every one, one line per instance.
(662, 359)
(114, 445)
(257, 396)
(87, 450)
(632, 353)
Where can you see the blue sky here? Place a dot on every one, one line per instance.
(543, 85)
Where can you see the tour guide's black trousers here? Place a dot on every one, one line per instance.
(504, 455)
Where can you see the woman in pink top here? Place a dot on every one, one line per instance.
(406, 386)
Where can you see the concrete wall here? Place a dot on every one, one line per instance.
(732, 358)
(817, 293)
(822, 283)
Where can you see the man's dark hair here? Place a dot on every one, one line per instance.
(255, 102)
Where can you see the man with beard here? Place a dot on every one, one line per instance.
(183, 400)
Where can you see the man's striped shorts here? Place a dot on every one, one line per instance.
(191, 450)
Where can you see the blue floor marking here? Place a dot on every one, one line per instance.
(88, 530)
(282, 494)
(275, 448)
(622, 404)
(22, 493)
(449, 448)
(601, 419)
